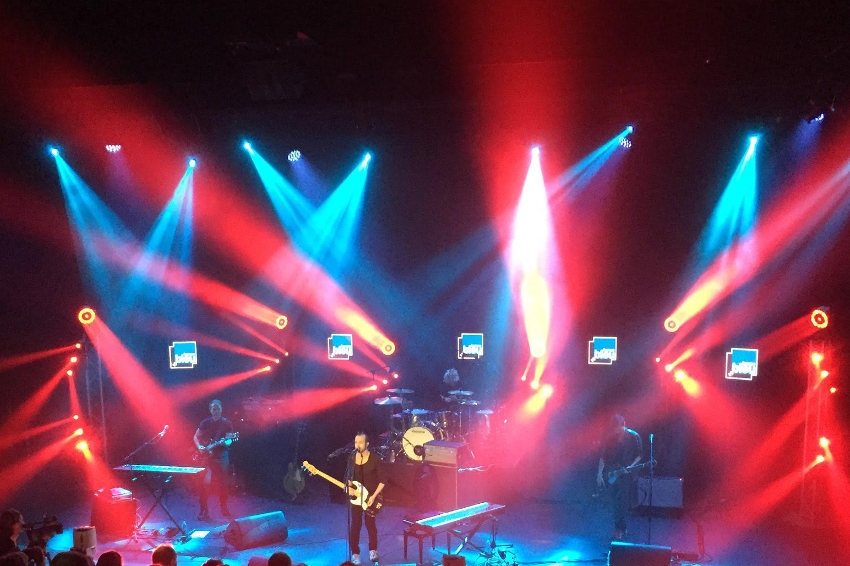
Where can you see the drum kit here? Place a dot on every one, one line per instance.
(410, 428)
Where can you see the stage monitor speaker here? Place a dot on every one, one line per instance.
(256, 530)
(666, 492)
(628, 554)
(114, 516)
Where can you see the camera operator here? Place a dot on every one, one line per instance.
(11, 526)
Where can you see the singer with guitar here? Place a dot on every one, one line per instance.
(212, 440)
(622, 449)
(367, 470)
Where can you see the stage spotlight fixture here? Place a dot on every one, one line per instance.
(630, 129)
(388, 348)
(817, 358)
(823, 442)
(193, 162)
(53, 151)
(384, 381)
(820, 317)
(625, 142)
(824, 374)
(833, 389)
(366, 159)
(535, 151)
(277, 360)
(70, 373)
(247, 147)
(82, 446)
(74, 359)
(671, 325)
(657, 360)
(76, 417)
(820, 459)
(281, 321)
(294, 156)
(86, 315)
(78, 346)
(113, 147)
(78, 432)
(669, 368)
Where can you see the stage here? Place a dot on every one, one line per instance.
(572, 527)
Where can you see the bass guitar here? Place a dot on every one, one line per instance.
(359, 500)
(294, 482)
(614, 475)
(204, 453)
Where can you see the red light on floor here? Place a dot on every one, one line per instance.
(281, 322)
(820, 317)
(86, 315)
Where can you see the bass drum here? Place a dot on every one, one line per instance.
(414, 440)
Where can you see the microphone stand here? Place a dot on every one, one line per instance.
(129, 457)
(651, 485)
(349, 475)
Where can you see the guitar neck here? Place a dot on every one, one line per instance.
(333, 480)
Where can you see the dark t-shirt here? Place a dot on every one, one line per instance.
(621, 449)
(371, 473)
(212, 430)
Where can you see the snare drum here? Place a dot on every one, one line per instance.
(413, 440)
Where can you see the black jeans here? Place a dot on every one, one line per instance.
(620, 494)
(357, 514)
(216, 479)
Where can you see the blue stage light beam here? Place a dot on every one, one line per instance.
(170, 238)
(98, 232)
(735, 213)
(575, 179)
(293, 210)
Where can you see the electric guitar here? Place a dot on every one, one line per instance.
(294, 482)
(359, 500)
(202, 454)
(614, 475)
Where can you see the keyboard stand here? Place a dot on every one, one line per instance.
(158, 492)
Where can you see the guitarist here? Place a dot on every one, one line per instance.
(621, 448)
(367, 469)
(212, 429)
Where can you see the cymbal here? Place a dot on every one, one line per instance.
(401, 391)
(387, 401)
(484, 412)
(472, 402)
(461, 393)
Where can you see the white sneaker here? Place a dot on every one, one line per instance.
(373, 555)
(355, 559)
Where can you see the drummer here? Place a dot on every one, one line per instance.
(450, 383)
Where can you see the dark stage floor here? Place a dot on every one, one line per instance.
(572, 528)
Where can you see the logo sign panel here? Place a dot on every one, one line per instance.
(340, 346)
(602, 350)
(183, 355)
(470, 346)
(742, 363)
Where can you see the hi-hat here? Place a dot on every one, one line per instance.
(400, 391)
(387, 401)
(461, 393)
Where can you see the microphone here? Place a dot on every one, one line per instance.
(163, 431)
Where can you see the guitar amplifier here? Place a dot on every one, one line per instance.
(443, 452)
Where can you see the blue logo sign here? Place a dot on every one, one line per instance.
(183, 355)
(340, 347)
(470, 346)
(602, 350)
(742, 363)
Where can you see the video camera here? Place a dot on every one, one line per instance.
(40, 532)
